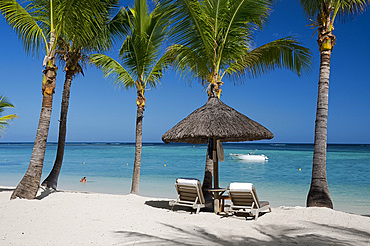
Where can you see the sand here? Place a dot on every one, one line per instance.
(76, 218)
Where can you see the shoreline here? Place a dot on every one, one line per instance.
(76, 218)
(277, 195)
(283, 181)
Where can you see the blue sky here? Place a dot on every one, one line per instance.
(279, 100)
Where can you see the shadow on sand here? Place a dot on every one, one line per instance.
(209, 209)
(44, 192)
(278, 235)
(6, 189)
(41, 193)
(275, 235)
(164, 204)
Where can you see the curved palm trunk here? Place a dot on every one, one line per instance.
(30, 182)
(319, 195)
(52, 180)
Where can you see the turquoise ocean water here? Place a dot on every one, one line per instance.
(283, 180)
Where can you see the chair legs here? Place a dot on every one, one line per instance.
(198, 209)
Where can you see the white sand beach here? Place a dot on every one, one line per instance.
(75, 218)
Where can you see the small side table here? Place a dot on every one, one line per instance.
(217, 195)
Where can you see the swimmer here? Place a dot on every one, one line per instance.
(83, 180)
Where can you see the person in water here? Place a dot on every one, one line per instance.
(83, 180)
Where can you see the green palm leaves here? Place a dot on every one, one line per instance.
(35, 20)
(4, 120)
(282, 53)
(112, 68)
(214, 39)
(27, 22)
(341, 8)
(140, 62)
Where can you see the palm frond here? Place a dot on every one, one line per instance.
(344, 9)
(216, 32)
(84, 23)
(347, 9)
(141, 49)
(6, 118)
(188, 62)
(312, 7)
(240, 19)
(191, 28)
(282, 53)
(4, 103)
(156, 72)
(118, 27)
(5, 121)
(26, 22)
(112, 68)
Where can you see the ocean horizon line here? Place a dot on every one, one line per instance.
(162, 143)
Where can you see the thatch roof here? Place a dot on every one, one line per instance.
(216, 120)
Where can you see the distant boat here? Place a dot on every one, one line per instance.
(249, 157)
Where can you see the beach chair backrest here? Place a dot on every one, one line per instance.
(243, 194)
(190, 190)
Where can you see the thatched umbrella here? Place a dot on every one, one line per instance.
(218, 122)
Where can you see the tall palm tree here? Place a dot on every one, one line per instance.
(214, 40)
(30, 26)
(142, 64)
(73, 50)
(325, 13)
(38, 25)
(4, 120)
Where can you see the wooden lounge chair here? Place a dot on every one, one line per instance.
(244, 200)
(189, 194)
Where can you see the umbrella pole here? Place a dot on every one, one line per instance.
(216, 201)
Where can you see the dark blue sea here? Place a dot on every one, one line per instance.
(283, 180)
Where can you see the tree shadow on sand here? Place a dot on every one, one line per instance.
(274, 235)
(41, 194)
(6, 189)
(44, 192)
(283, 235)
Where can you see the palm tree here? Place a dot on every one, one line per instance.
(29, 25)
(214, 40)
(325, 13)
(38, 25)
(142, 64)
(73, 49)
(4, 120)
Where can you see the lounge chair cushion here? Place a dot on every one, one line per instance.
(247, 187)
(187, 181)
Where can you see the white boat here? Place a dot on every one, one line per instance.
(249, 157)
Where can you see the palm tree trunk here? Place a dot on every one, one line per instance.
(319, 195)
(208, 173)
(209, 169)
(52, 180)
(30, 182)
(138, 148)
